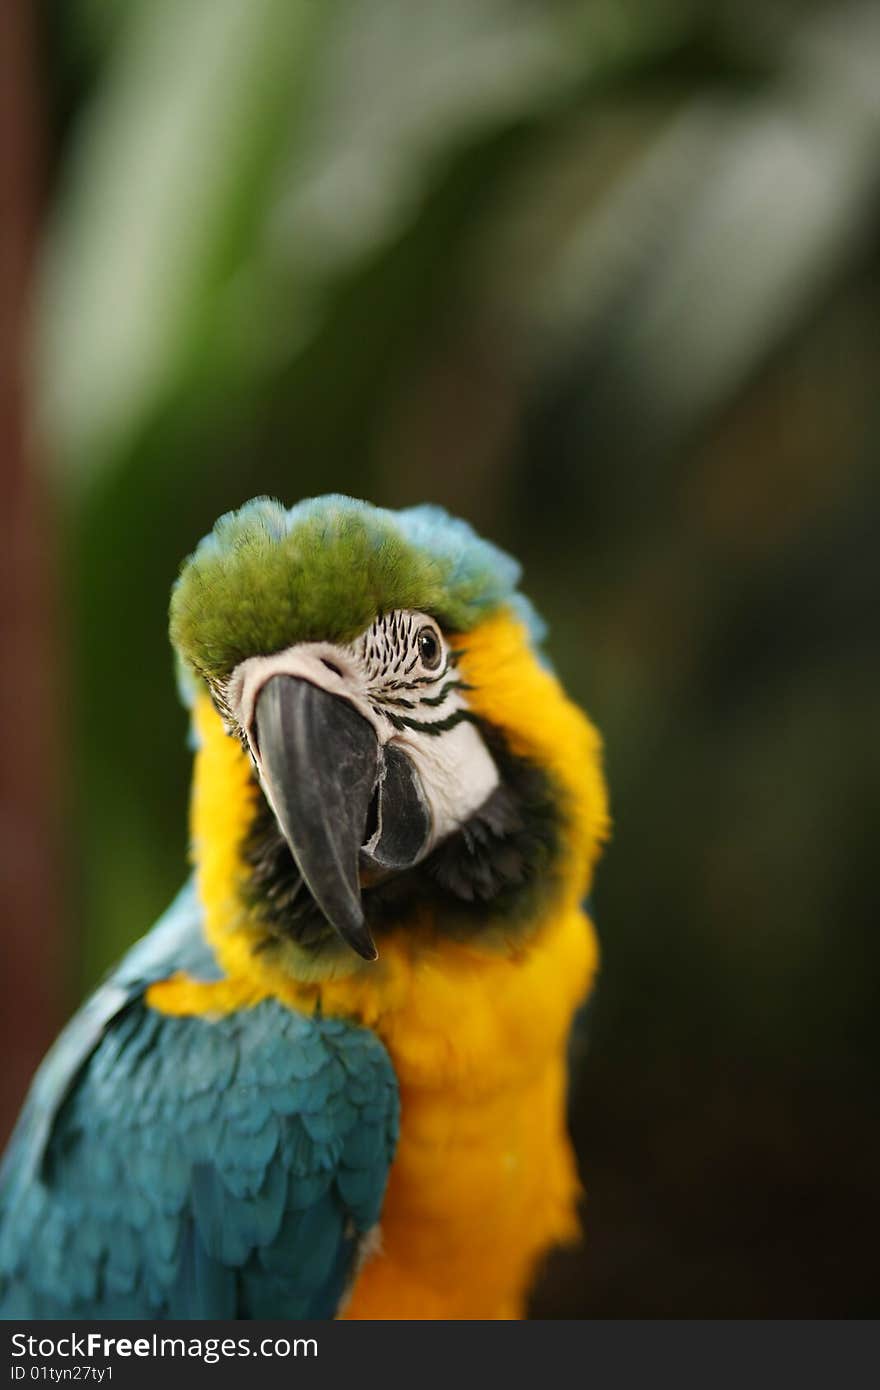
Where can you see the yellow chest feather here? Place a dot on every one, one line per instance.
(484, 1179)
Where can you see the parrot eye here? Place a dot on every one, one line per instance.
(429, 648)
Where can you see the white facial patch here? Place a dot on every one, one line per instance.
(401, 677)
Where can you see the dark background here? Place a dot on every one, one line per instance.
(602, 278)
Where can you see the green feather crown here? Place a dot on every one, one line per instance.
(267, 576)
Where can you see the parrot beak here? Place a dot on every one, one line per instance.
(319, 763)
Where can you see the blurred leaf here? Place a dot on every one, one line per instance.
(164, 196)
(719, 235)
(241, 154)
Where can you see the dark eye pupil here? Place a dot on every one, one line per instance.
(429, 648)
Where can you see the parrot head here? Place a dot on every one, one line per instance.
(398, 749)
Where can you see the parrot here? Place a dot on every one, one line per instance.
(331, 1081)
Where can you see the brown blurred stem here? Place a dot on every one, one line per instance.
(30, 927)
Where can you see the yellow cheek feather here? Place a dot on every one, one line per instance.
(484, 1179)
(513, 691)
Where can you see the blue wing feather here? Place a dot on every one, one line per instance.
(192, 1167)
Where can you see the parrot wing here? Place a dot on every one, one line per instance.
(194, 1167)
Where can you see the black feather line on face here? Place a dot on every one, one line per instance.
(496, 868)
(437, 727)
(443, 694)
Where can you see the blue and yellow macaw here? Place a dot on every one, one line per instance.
(331, 1080)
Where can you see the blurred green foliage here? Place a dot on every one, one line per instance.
(602, 278)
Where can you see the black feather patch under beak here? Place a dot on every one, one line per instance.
(319, 762)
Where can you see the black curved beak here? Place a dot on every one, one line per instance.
(320, 761)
